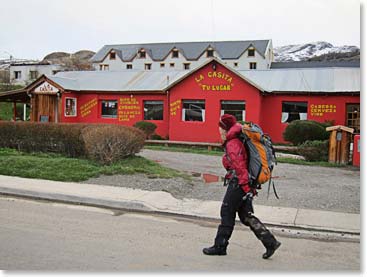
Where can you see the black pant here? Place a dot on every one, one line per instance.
(233, 202)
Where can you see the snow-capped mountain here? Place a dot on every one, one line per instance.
(304, 52)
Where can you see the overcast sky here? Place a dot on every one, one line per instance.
(35, 28)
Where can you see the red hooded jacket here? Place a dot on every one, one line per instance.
(235, 157)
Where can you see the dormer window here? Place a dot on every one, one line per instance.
(174, 53)
(209, 53)
(142, 54)
(251, 52)
(112, 55)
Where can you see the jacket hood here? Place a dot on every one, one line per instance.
(234, 131)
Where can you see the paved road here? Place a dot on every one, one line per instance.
(299, 186)
(46, 236)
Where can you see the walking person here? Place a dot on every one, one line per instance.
(239, 194)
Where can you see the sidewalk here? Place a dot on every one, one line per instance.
(163, 202)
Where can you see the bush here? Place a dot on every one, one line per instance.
(102, 143)
(43, 137)
(299, 131)
(147, 127)
(156, 137)
(111, 143)
(316, 150)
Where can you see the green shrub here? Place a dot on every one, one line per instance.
(156, 137)
(315, 150)
(100, 142)
(299, 131)
(111, 143)
(147, 127)
(43, 137)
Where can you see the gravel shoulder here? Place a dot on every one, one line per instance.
(298, 186)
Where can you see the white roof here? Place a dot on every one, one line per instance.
(306, 79)
(329, 80)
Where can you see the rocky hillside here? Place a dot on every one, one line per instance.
(315, 51)
(72, 61)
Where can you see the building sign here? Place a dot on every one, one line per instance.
(174, 107)
(128, 109)
(204, 81)
(46, 88)
(322, 109)
(86, 108)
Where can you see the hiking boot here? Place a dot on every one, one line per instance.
(215, 250)
(271, 249)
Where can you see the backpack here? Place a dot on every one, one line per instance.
(261, 155)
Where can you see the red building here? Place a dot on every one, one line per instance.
(186, 106)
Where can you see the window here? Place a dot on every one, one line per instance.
(55, 72)
(109, 108)
(251, 52)
(186, 66)
(193, 110)
(148, 66)
(113, 56)
(294, 111)
(171, 65)
(353, 117)
(162, 65)
(235, 64)
(175, 53)
(252, 65)
(153, 110)
(17, 74)
(209, 53)
(70, 106)
(104, 67)
(129, 66)
(142, 54)
(33, 74)
(235, 108)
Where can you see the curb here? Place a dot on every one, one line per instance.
(141, 207)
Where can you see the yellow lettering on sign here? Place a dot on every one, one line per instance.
(174, 107)
(128, 108)
(86, 108)
(322, 109)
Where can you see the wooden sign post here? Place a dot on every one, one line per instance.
(339, 144)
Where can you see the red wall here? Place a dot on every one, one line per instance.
(191, 88)
(89, 109)
(264, 110)
(272, 111)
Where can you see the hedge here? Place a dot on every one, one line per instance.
(71, 140)
(299, 131)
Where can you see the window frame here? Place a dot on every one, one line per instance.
(33, 72)
(76, 107)
(147, 66)
(129, 66)
(194, 101)
(157, 102)
(211, 51)
(239, 102)
(252, 65)
(142, 54)
(17, 74)
(252, 51)
(112, 56)
(356, 117)
(113, 116)
(285, 121)
(186, 66)
(175, 54)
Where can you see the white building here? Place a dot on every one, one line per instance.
(240, 55)
(25, 73)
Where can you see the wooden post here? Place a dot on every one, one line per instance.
(339, 143)
(14, 111)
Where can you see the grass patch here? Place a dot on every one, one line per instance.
(194, 150)
(59, 168)
(220, 153)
